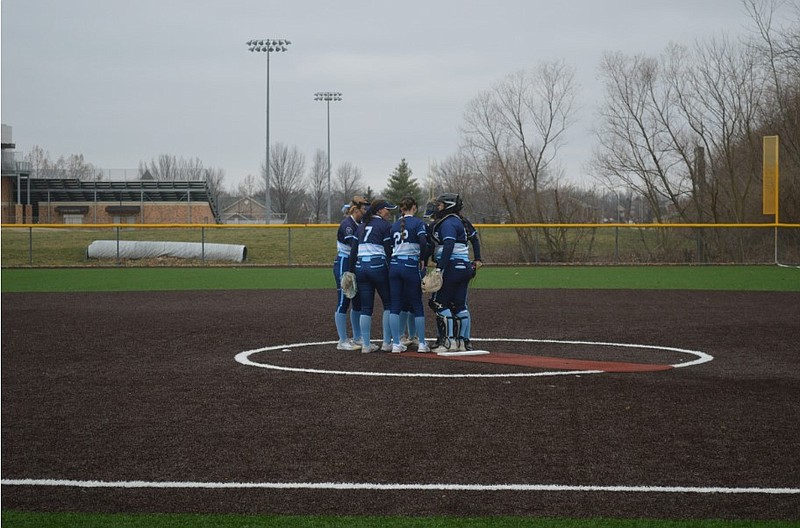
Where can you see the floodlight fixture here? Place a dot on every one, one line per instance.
(328, 97)
(268, 46)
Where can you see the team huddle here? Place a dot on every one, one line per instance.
(375, 255)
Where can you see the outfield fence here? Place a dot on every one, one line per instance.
(43, 245)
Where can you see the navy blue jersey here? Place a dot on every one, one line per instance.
(346, 236)
(409, 236)
(374, 239)
(472, 236)
(450, 237)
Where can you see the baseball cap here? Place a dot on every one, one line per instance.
(384, 204)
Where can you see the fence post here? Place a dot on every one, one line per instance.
(118, 261)
(777, 262)
(203, 244)
(290, 246)
(30, 246)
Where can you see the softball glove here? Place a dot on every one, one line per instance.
(432, 282)
(349, 287)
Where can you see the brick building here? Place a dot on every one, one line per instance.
(64, 201)
(52, 198)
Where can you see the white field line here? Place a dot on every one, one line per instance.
(370, 486)
(244, 359)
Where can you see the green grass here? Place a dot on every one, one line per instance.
(58, 520)
(736, 278)
(300, 245)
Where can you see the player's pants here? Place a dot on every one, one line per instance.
(372, 274)
(405, 279)
(455, 280)
(340, 265)
(451, 299)
(405, 285)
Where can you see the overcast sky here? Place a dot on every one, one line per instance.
(123, 81)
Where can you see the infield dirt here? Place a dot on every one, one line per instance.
(145, 387)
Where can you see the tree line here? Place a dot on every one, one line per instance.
(678, 138)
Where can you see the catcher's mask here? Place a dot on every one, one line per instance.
(452, 204)
(430, 210)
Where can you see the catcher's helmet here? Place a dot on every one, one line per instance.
(452, 204)
(430, 210)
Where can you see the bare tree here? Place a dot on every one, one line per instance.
(191, 170)
(458, 174)
(718, 95)
(163, 168)
(513, 133)
(247, 187)
(682, 131)
(318, 187)
(214, 178)
(349, 181)
(39, 160)
(779, 48)
(169, 168)
(286, 182)
(635, 149)
(75, 166)
(72, 166)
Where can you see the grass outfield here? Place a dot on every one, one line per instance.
(735, 278)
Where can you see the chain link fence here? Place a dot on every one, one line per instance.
(501, 244)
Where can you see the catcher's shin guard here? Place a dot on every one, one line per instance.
(441, 321)
(456, 327)
(441, 330)
(466, 324)
(456, 338)
(441, 327)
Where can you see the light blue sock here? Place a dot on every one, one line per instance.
(394, 321)
(365, 322)
(387, 329)
(465, 324)
(355, 320)
(412, 325)
(403, 322)
(341, 325)
(419, 323)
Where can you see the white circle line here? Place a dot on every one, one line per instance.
(395, 486)
(244, 359)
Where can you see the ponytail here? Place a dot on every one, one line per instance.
(406, 204)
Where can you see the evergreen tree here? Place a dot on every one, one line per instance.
(401, 184)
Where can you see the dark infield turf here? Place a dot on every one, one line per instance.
(144, 386)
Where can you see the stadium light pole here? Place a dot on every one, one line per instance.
(267, 46)
(328, 97)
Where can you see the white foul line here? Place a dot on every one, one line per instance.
(355, 486)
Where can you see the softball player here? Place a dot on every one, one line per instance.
(369, 261)
(477, 262)
(345, 238)
(410, 243)
(474, 239)
(452, 259)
